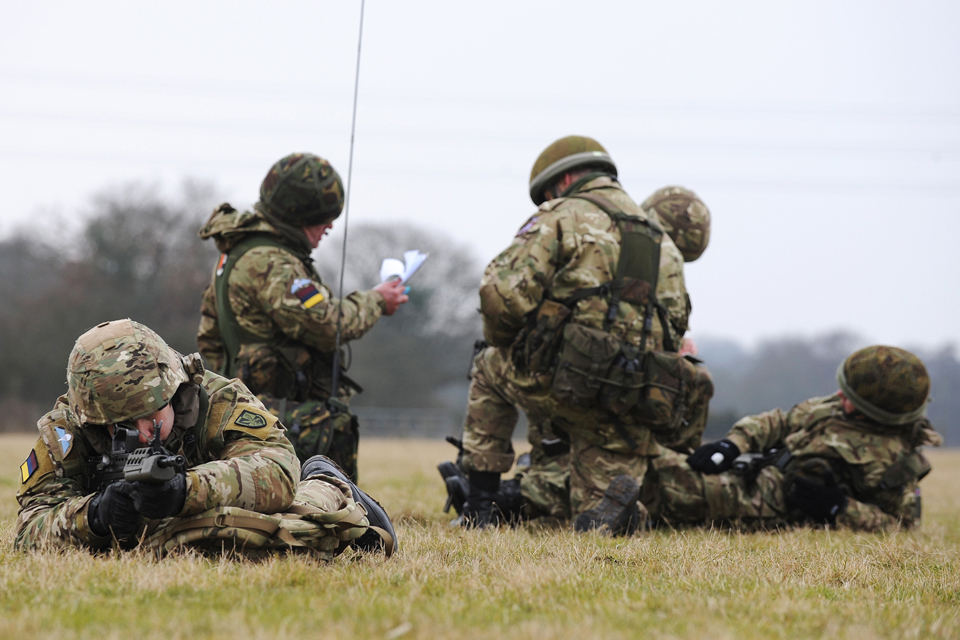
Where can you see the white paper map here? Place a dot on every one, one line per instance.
(391, 267)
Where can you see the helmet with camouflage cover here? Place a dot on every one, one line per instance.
(684, 217)
(563, 155)
(887, 384)
(302, 189)
(122, 370)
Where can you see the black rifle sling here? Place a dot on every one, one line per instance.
(232, 334)
(638, 267)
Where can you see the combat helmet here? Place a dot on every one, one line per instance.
(887, 384)
(122, 370)
(302, 189)
(563, 155)
(685, 218)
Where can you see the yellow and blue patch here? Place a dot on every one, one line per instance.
(28, 467)
(307, 292)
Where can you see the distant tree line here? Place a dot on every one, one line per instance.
(135, 253)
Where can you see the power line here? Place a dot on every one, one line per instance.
(247, 90)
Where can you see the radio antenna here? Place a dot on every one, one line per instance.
(346, 213)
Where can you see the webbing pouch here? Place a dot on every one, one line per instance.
(541, 339)
(586, 356)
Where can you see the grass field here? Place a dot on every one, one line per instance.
(449, 583)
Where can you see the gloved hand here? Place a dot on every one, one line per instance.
(478, 510)
(714, 457)
(815, 492)
(113, 510)
(155, 501)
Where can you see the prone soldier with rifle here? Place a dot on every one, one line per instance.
(852, 459)
(148, 448)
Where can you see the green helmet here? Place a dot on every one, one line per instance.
(302, 189)
(121, 371)
(887, 384)
(563, 155)
(684, 217)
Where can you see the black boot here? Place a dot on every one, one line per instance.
(372, 540)
(618, 513)
(478, 510)
(509, 503)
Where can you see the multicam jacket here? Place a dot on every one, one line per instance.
(288, 314)
(878, 466)
(569, 244)
(236, 452)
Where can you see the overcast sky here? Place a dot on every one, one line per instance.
(824, 136)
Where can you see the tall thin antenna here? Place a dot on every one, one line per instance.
(346, 213)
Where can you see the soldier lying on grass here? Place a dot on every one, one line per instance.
(850, 460)
(224, 472)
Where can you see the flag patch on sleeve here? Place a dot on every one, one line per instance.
(28, 467)
(307, 292)
(527, 228)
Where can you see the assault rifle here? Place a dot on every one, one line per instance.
(750, 464)
(128, 462)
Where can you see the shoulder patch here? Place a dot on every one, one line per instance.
(250, 420)
(29, 466)
(35, 468)
(65, 439)
(307, 292)
(528, 227)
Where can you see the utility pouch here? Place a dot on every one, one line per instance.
(625, 380)
(586, 356)
(543, 336)
(668, 379)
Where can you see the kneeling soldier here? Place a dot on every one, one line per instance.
(145, 442)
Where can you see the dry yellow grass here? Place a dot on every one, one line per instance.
(448, 583)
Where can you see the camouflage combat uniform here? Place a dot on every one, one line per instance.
(288, 319)
(878, 466)
(544, 484)
(567, 245)
(236, 452)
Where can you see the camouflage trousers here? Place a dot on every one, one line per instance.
(545, 483)
(600, 448)
(313, 430)
(675, 494)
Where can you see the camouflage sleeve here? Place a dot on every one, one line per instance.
(760, 432)
(903, 512)
(514, 282)
(281, 289)
(208, 335)
(255, 468)
(53, 511)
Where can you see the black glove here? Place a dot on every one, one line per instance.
(706, 459)
(155, 501)
(818, 497)
(113, 510)
(478, 510)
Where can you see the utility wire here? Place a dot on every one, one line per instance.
(346, 213)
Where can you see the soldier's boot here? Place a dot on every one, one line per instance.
(509, 502)
(617, 513)
(479, 510)
(458, 486)
(381, 535)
